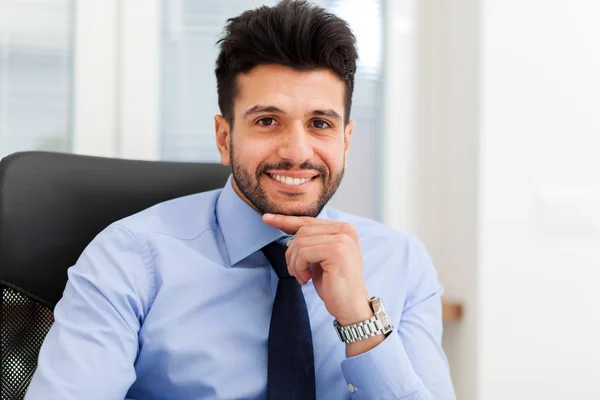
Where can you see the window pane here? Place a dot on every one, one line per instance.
(359, 192)
(188, 87)
(35, 75)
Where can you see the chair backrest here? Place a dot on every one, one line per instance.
(51, 206)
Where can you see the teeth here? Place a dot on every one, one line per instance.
(289, 180)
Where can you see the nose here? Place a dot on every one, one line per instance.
(296, 145)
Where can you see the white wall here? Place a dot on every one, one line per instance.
(505, 190)
(438, 200)
(539, 258)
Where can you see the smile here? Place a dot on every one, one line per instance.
(289, 181)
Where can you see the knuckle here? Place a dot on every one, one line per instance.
(301, 231)
(349, 228)
(351, 231)
(339, 249)
(299, 242)
(347, 239)
(302, 253)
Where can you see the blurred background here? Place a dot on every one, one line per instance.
(478, 129)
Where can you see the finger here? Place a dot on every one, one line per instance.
(302, 276)
(312, 240)
(332, 228)
(288, 223)
(299, 242)
(299, 269)
(329, 228)
(300, 272)
(304, 256)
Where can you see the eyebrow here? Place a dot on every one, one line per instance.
(258, 109)
(326, 113)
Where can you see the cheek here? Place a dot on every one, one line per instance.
(332, 155)
(251, 153)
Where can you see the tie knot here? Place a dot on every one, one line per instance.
(275, 253)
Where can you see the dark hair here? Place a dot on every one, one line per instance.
(292, 33)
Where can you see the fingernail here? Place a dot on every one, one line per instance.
(268, 216)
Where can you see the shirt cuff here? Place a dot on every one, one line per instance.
(382, 373)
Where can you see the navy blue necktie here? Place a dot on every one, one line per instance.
(291, 370)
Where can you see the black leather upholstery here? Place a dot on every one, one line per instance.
(51, 206)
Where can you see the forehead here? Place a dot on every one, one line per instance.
(289, 89)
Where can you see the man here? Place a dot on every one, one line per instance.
(206, 296)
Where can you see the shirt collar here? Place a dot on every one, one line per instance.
(242, 226)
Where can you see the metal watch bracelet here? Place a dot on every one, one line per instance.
(378, 324)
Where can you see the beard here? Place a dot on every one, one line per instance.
(251, 188)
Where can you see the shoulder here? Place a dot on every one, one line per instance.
(183, 217)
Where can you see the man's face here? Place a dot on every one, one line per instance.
(288, 144)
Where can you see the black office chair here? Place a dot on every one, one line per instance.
(51, 206)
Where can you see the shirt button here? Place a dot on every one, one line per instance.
(351, 388)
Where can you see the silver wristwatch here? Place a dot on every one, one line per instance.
(379, 324)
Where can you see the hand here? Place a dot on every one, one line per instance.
(328, 252)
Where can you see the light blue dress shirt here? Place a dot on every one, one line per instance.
(175, 302)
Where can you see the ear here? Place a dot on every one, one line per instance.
(222, 132)
(348, 129)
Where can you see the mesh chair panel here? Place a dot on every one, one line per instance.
(24, 326)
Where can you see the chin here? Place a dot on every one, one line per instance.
(297, 209)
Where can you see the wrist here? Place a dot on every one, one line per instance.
(362, 346)
(360, 312)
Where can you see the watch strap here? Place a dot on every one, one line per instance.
(362, 330)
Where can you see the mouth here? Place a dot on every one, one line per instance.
(293, 180)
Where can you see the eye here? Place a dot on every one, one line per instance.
(321, 124)
(266, 121)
